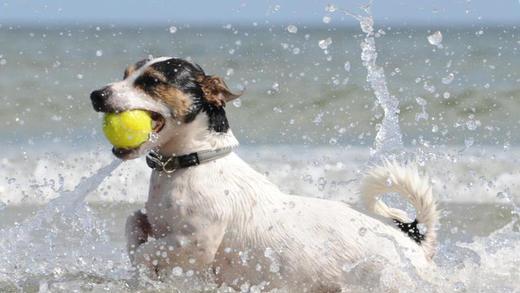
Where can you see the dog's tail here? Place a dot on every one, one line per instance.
(392, 177)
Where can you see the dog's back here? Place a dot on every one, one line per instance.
(280, 239)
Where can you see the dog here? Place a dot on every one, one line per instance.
(209, 213)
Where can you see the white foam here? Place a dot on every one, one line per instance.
(327, 172)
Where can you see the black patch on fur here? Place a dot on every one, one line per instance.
(147, 82)
(217, 117)
(141, 63)
(183, 75)
(411, 230)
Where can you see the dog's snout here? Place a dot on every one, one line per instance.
(99, 98)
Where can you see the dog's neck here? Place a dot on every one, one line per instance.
(196, 136)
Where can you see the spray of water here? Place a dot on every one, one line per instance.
(36, 245)
(458, 263)
(389, 136)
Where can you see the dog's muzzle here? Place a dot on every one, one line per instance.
(99, 99)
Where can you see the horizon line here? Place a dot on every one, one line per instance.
(253, 24)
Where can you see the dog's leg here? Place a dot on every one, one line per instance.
(192, 246)
(137, 231)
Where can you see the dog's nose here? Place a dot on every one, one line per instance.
(99, 98)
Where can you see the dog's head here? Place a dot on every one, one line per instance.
(173, 91)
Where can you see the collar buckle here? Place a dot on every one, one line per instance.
(165, 168)
(155, 161)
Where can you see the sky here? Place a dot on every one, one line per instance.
(402, 12)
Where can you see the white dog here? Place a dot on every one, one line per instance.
(209, 212)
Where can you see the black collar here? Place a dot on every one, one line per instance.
(172, 163)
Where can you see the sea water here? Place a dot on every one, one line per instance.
(308, 121)
(85, 249)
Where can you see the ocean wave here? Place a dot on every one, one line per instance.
(458, 175)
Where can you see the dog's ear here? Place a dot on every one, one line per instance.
(216, 91)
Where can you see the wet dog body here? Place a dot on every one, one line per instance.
(222, 218)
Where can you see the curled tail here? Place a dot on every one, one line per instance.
(392, 177)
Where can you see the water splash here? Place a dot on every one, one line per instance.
(389, 137)
(37, 245)
(435, 39)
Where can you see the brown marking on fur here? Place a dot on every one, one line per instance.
(128, 71)
(215, 90)
(143, 229)
(132, 68)
(175, 98)
(178, 101)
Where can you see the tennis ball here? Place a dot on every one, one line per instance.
(127, 129)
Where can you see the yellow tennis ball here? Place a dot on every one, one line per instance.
(127, 129)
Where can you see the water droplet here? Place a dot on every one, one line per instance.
(448, 79)
(330, 8)
(429, 87)
(271, 255)
(153, 137)
(274, 267)
(468, 142)
(435, 39)
(177, 271)
(459, 287)
(317, 119)
(423, 229)
(99, 53)
(79, 76)
(3, 61)
(275, 87)
(172, 29)
(420, 101)
(292, 28)
(367, 24)
(472, 125)
(326, 19)
(362, 231)
(347, 66)
(237, 103)
(503, 195)
(325, 43)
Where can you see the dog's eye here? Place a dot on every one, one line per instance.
(146, 81)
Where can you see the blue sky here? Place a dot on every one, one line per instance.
(436, 12)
